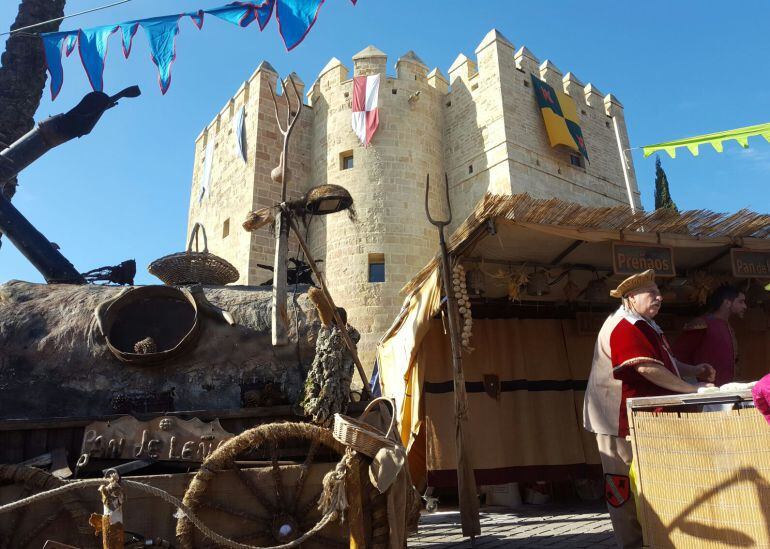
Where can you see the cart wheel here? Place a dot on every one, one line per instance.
(268, 505)
(63, 518)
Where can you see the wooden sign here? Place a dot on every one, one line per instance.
(750, 263)
(163, 438)
(632, 258)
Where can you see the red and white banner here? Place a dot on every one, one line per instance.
(366, 118)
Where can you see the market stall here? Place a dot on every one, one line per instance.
(534, 289)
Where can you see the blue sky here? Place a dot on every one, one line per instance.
(679, 68)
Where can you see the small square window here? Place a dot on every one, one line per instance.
(346, 160)
(470, 169)
(226, 228)
(526, 83)
(584, 113)
(394, 91)
(448, 103)
(376, 267)
(576, 160)
(474, 87)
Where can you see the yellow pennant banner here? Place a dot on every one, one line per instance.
(716, 140)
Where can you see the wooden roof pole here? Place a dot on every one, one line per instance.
(280, 316)
(466, 481)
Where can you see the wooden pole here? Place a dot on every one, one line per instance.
(345, 336)
(466, 481)
(279, 316)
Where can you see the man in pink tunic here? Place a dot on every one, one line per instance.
(710, 338)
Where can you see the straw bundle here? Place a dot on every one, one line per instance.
(522, 208)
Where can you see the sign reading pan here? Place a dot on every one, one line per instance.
(750, 263)
(630, 258)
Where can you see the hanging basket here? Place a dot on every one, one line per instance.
(194, 267)
(361, 436)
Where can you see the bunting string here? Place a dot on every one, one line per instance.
(295, 19)
(716, 140)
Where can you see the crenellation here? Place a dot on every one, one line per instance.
(574, 88)
(551, 74)
(263, 67)
(369, 61)
(612, 107)
(494, 55)
(462, 68)
(313, 92)
(526, 61)
(494, 37)
(410, 67)
(333, 73)
(594, 98)
(437, 80)
(298, 83)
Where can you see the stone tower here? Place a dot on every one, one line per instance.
(481, 126)
(386, 180)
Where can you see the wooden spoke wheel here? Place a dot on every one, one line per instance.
(63, 518)
(272, 503)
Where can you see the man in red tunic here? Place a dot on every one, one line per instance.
(710, 337)
(631, 359)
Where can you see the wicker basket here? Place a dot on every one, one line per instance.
(194, 267)
(361, 436)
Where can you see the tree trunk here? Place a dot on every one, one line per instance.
(22, 73)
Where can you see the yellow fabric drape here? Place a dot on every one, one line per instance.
(399, 370)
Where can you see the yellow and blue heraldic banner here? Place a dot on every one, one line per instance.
(560, 116)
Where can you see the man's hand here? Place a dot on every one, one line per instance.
(705, 372)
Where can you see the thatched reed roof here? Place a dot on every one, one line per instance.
(603, 224)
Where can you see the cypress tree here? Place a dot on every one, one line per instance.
(662, 194)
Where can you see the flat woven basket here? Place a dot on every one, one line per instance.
(194, 267)
(361, 436)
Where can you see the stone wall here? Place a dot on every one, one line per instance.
(481, 126)
(237, 187)
(496, 139)
(387, 182)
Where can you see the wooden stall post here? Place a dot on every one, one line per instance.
(466, 481)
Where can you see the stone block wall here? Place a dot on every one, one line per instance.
(237, 187)
(481, 126)
(387, 182)
(496, 139)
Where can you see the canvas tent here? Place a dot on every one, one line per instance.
(527, 373)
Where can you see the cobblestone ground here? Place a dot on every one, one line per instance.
(553, 526)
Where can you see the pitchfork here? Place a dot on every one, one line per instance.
(466, 482)
(279, 314)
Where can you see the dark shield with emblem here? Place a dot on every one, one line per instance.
(492, 385)
(617, 489)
